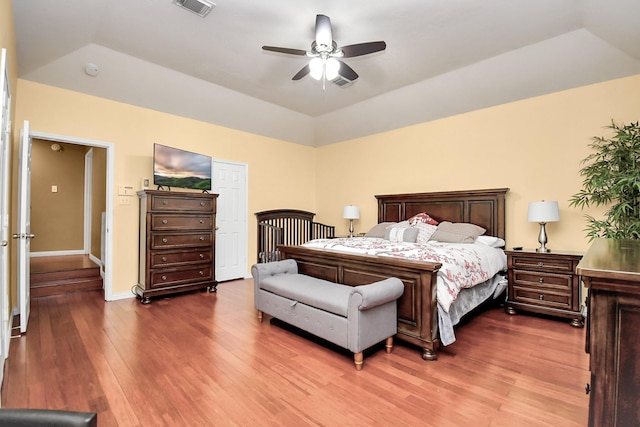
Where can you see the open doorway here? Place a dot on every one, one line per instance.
(71, 208)
(68, 202)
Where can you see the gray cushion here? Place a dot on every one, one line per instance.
(459, 232)
(322, 294)
(378, 230)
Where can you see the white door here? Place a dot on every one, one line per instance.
(5, 143)
(24, 235)
(230, 182)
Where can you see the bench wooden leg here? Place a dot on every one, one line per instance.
(259, 316)
(389, 344)
(357, 359)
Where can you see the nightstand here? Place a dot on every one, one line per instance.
(544, 283)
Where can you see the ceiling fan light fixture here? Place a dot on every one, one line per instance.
(316, 67)
(332, 67)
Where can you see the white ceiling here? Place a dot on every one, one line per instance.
(443, 57)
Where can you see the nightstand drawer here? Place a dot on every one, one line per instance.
(546, 264)
(541, 298)
(540, 280)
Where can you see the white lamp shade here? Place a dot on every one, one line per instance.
(316, 67)
(332, 67)
(351, 212)
(543, 212)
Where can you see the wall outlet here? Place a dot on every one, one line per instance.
(125, 200)
(145, 183)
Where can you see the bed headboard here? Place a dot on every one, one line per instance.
(485, 208)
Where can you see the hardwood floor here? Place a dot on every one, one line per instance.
(202, 359)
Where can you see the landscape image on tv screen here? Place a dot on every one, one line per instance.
(173, 167)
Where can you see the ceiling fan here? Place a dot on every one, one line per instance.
(326, 64)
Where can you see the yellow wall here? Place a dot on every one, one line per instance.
(280, 174)
(534, 147)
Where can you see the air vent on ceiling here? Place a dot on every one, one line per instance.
(341, 81)
(199, 7)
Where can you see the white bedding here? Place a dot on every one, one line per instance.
(464, 265)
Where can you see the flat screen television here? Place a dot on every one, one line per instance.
(173, 167)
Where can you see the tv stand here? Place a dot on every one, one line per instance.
(177, 243)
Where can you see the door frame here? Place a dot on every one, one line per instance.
(110, 147)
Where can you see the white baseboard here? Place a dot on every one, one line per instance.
(56, 253)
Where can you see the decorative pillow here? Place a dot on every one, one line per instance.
(425, 231)
(494, 242)
(400, 233)
(459, 232)
(423, 218)
(378, 230)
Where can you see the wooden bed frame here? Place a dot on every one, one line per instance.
(417, 307)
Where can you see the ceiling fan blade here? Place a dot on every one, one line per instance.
(362, 49)
(300, 74)
(323, 31)
(285, 50)
(347, 72)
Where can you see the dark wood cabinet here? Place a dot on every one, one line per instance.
(177, 243)
(545, 283)
(611, 273)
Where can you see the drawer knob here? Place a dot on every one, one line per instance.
(201, 238)
(201, 256)
(201, 203)
(164, 259)
(540, 264)
(164, 240)
(164, 277)
(201, 273)
(165, 202)
(164, 221)
(541, 297)
(202, 221)
(541, 280)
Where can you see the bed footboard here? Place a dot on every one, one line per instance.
(417, 307)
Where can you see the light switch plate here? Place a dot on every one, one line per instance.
(126, 190)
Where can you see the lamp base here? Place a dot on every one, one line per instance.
(543, 250)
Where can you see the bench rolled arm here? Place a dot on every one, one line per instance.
(377, 293)
(268, 269)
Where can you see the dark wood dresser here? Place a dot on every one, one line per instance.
(544, 283)
(611, 273)
(177, 243)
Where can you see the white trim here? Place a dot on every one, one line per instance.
(110, 147)
(57, 253)
(88, 191)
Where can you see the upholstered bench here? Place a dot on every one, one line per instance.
(352, 317)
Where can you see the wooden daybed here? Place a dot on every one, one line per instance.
(417, 309)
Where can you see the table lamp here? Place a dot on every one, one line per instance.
(351, 212)
(543, 212)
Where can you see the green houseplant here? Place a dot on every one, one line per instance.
(612, 178)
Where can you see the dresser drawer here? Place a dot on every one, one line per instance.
(545, 264)
(176, 258)
(168, 277)
(541, 280)
(182, 240)
(174, 203)
(181, 222)
(542, 298)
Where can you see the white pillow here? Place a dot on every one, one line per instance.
(425, 231)
(494, 242)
